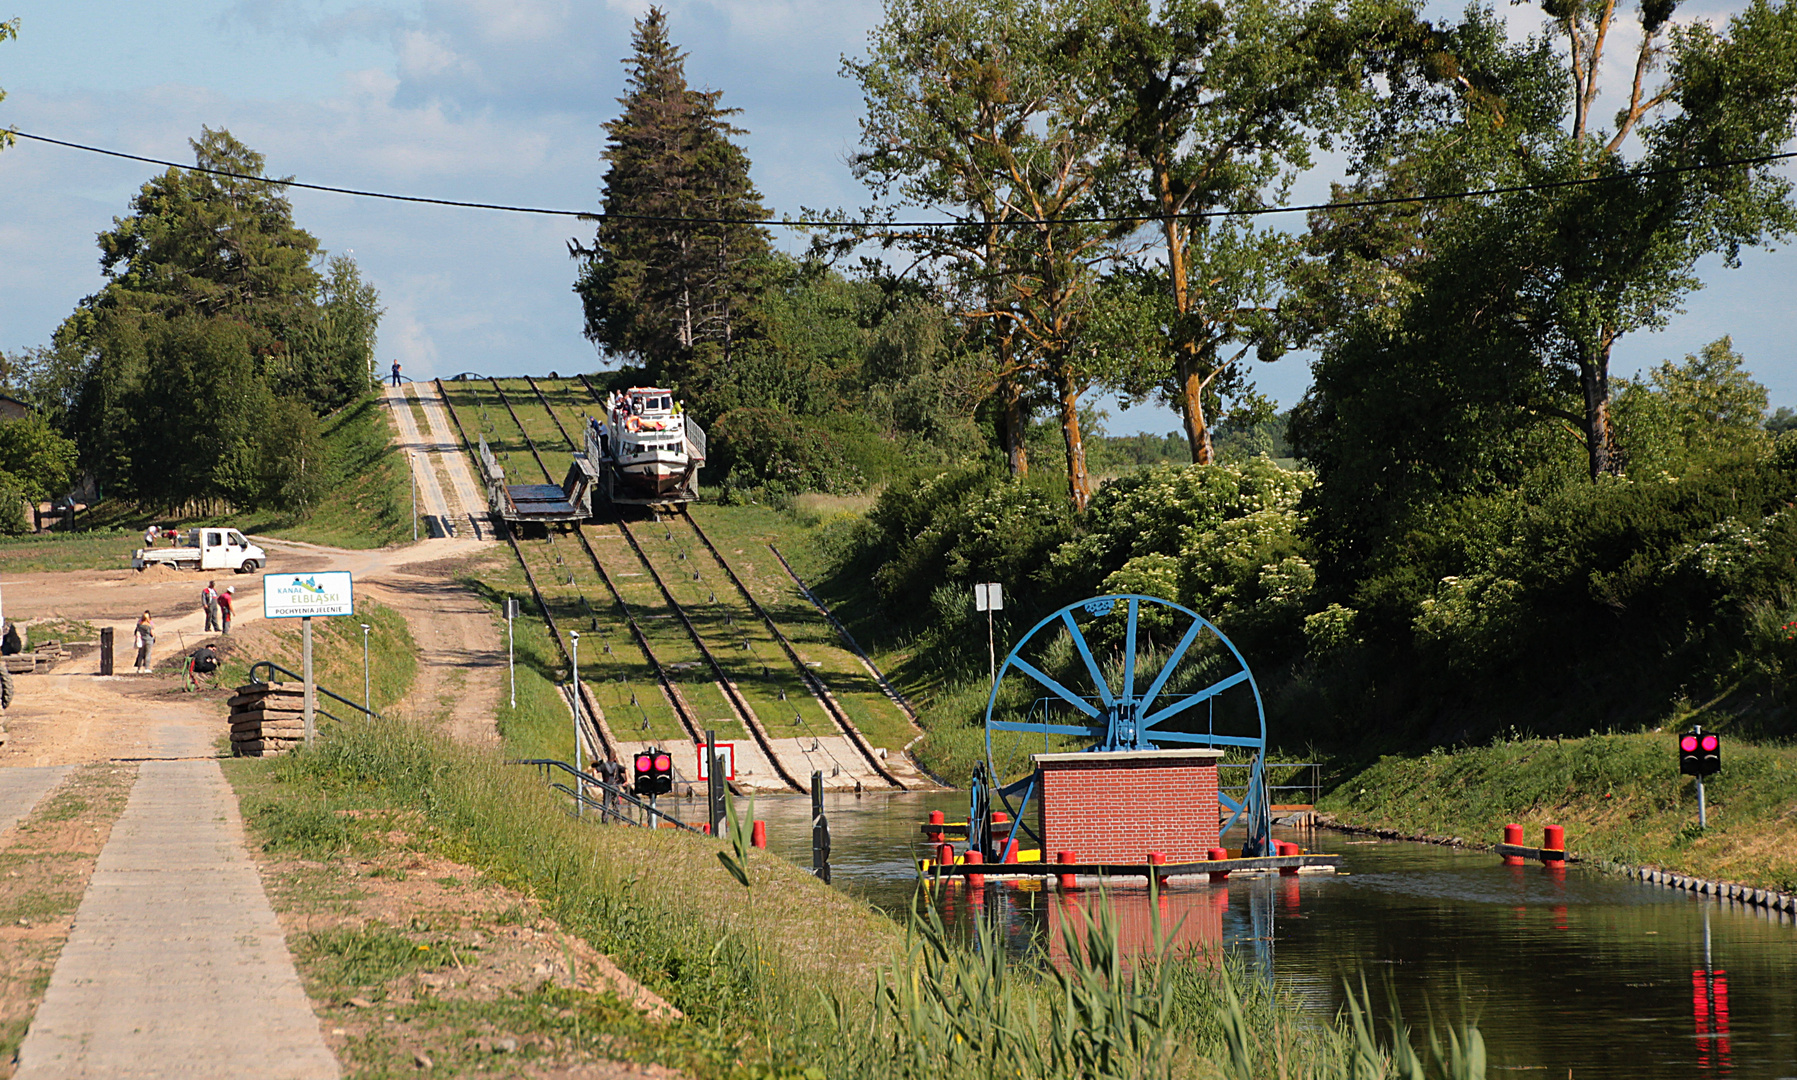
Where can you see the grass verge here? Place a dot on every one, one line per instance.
(45, 864)
(1620, 797)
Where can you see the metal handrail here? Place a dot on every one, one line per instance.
(591, 781)
(1315, 786)
(274, 667)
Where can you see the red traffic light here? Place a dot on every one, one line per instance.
(1710, 742)
(663, 763)
(1688, 744)
(644, 762)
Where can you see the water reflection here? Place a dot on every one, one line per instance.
(1565, 970)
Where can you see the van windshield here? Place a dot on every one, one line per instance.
(237, 538)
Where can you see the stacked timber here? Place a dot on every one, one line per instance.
(267, 719)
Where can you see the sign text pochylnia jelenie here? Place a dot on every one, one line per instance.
(298, 596)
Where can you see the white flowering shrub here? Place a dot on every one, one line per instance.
(1330, 628)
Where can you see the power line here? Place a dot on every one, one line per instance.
(1119, 219)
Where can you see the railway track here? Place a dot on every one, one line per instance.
(836, 743)
(689, 719)
(598, 734)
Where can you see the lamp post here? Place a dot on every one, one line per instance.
(511, 612)
(413, 459)
(578, 767)
(367, 702)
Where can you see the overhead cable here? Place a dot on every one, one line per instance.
(1018, 222)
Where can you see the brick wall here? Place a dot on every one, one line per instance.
(1118, 807)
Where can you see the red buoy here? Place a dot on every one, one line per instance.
(1215, 854)
(945, 854)
(758, 835)
(934, 831)
(1156, 858)
(1065, 857)
(974, 858)
(1513, 837)
(1289, 849)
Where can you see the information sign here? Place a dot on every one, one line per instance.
(300, 596)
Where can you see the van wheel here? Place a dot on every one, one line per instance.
(249, 567)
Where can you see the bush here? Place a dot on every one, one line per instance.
(773, 450)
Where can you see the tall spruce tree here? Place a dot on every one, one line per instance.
(672, 270)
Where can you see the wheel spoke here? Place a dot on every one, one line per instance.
(1190, 700)
(1200, 738)
(1085, 653)
(1179, 653)
(1129, 653)
(1041, 729)
(1048, 682)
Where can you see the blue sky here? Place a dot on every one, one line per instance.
(503, 101)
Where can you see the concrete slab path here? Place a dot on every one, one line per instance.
(418, 453)
(20, 790)
(176, 966)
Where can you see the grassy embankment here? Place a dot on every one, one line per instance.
(766, 989)
(1620, 798)
(336, 655)
(366, 505)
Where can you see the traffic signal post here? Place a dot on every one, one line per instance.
(1700, 755)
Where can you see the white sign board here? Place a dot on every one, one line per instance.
(725, 750)
(988, 597)
(297, 596)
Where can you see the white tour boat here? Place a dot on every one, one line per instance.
(653, 448)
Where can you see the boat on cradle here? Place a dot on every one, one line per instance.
(653, 450)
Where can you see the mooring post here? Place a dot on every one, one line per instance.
(714, 784)
(820, 830)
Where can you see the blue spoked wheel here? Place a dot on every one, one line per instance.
(1079, 680)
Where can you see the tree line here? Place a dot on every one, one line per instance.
(1485, 516)
(1095, 165)
(223, 332)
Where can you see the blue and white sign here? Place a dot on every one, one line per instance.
(299, 596)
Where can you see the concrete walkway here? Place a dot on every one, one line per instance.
(448, 448)
(176, 966)
(418, 453)
(20, 790)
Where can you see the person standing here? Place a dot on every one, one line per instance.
(150, 535)
(224, 608)
(396, 373)
(209, 604)
(144, 637)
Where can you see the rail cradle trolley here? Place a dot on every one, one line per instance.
(539, 504)
(1203, 694)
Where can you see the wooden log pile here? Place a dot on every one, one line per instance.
(267, 719)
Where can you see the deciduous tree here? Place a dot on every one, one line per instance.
(982, 112)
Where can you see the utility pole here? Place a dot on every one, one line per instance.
(413, 459)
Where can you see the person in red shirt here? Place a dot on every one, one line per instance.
(224, 607)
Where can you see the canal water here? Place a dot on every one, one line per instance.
(1569, 973)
